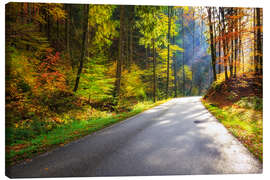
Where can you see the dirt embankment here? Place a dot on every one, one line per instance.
(228, 92)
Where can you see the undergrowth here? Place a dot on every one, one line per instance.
(23, 143)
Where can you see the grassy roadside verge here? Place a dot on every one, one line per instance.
(26, 149)
(243, 122)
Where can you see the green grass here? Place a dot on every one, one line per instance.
(67, 132)
(244, 123)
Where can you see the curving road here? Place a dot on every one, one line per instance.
(179, 137)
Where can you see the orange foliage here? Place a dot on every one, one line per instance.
(49, 76)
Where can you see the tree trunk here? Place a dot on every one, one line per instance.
(259, 42)
(168, 60)
(193, 52)
(22, 13)
(219, 43)
(120, 53)
(175, 72)
(236, 48)
(183, 63)
(154, 71)
(67, 27)
(29, 14)
(213, 50)
(131, 46)
(231, 59)
(48, 25)
(85, 29)
(225, 45)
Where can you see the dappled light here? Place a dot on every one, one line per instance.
(114, 90)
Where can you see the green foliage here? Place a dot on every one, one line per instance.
(187, 73)
(95, 83)
(132, 84)
(152, 25)
(43, 51)
(252, 102)
(102, 25)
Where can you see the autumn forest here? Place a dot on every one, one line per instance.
(72, 69)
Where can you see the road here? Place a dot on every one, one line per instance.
(179, 137)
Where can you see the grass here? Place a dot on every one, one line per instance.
(74, 128)
(244, 120)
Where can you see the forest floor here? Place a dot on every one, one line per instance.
(24, 150)
(237, 104)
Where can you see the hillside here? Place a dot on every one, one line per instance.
(237, 103)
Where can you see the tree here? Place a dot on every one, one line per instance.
(213, 49)
(258, 62)
(85, 29)
(120, 54)
(168, 59)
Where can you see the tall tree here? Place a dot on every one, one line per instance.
(183, 57)
(85, 29)
(258, 42)
(154, 72)
(168, 59)
(120, 54)
(213, 50)
(224, 42)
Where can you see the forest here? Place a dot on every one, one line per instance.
(72, 69)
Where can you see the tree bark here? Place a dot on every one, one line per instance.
(154, 71)
(175, 72)
(48, 25)
(120, 53)
(183, 62)
(213, 50)
(85, 29)
(259, 42)
(168, 59)
(224, 43)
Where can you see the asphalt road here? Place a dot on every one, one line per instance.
(179, 137)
